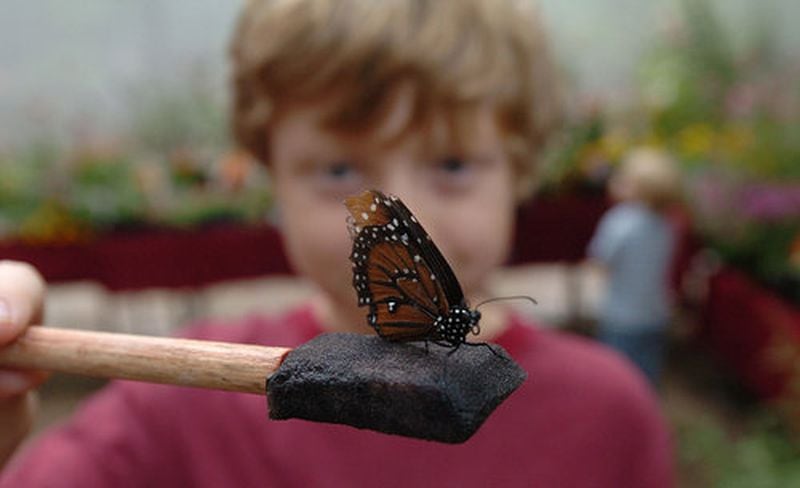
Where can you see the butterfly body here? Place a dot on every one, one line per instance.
(452, 329)
(402, 277)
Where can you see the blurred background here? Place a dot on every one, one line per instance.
(119, 181)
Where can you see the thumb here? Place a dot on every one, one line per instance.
(22, 291)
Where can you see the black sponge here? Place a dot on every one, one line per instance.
(407, 389)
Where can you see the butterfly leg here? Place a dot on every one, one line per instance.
(484, 344)
(454, 349)
(440, 343)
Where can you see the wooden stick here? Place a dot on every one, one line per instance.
(183, 362)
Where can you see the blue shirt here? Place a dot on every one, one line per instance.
(636, 244)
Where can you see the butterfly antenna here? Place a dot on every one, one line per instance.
(514, 297)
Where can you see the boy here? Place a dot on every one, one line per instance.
(635, 242)
(444, 104)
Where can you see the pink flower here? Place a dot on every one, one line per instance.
(766, 202)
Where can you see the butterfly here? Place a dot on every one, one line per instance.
(402, 277)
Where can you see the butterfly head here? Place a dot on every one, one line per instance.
(474, 320)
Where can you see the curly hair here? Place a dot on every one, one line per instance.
(456, 54)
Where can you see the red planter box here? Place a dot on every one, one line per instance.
(753, 332)
(160, 258)
(556, 229)
(549, 229)
(175, 259)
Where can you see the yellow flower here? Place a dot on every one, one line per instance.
(696, 140)
(51, 223)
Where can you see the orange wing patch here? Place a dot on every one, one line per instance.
(367, 209)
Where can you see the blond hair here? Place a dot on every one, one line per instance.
(651, 176)
(457, 55)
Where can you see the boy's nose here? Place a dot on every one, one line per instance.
(403, 177)
(399, 180)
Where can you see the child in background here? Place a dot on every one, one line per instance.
(444, 104)
(635, 242)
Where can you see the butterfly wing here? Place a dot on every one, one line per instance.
(397, 270)
(439, 267)
(399, 308)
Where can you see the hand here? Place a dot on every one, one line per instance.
(22, 291)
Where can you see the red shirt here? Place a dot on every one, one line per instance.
(583, 418)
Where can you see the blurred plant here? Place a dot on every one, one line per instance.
(735, 125)
(31, 206)
(20, 190)
(762, 447)
(69, 200)
(100, 190)
(565, 165)
(52, 198)
(715, 105)
(763, 454)
(684, 76)
(753, 225)
(182, 113)
(732, 119)
(173, 168)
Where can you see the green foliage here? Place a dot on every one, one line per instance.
(101, 192)
(177, 114)
(731, 118)
(763, 455)
(21, 189)
(683, 80)
(559, 173)
(177, 170)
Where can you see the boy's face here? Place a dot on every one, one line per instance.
(463, 198)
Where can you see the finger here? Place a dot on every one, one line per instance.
(22, 291)
(14, 383)
(16, 420)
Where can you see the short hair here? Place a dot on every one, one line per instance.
(652, 175)
(457, 55)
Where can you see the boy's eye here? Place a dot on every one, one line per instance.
(452, 164)
(454, 173)
(340, 169)
(338, 178)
